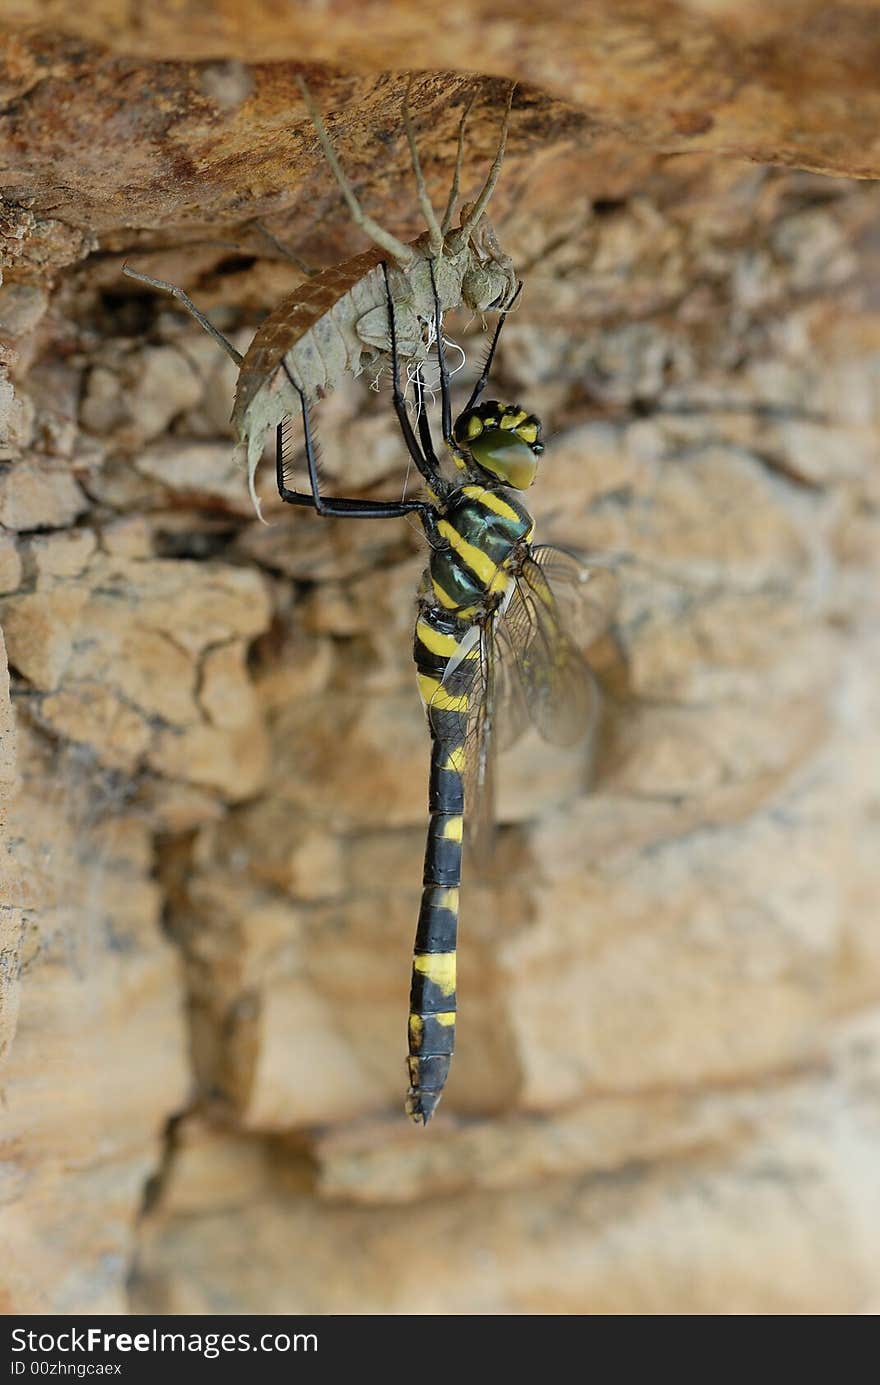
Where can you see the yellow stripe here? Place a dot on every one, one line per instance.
(443, 597)
(417, 1033)
(438, 967)
(437, 698)
(528, 432)
(452, 829)
(478, 561)
(435, 641)
(490, 500)
(445, 899)
(455, 759)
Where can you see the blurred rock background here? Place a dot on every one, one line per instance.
(665, 1099)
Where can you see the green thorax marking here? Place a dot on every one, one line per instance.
(483, 527)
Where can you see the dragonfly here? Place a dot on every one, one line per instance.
(500, 634)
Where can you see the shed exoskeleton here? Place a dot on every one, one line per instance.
(336, 323)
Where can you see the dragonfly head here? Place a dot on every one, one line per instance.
(503, 440)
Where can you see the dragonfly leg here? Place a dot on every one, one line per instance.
(338, 507)
(425, 428)
(427, 460)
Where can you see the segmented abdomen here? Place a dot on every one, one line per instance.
(320, 344)
(467, 578)
(432, 996)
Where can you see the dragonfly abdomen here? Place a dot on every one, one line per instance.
(432, 1007)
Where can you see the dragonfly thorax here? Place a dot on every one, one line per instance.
(483, 530)
(501, 441)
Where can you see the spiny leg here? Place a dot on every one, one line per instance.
(400, 252)
(428, 465)
(477, 208)
(435, 235)
(425, 427)
(453, 191)
(190, 306)
(339, 507)
(490, 355)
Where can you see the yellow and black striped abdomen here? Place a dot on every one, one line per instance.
(432, 996)
(481, 530)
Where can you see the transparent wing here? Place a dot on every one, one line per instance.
(484, 673)
(586, 593)
(559, 606)
(524, 664)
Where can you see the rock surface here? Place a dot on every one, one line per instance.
(665, 1094)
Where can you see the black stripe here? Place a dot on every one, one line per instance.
(429, 662)
(448, 728)
(438, 925)
(445, 792)
(426, 997)
(437, 929)
(442, 859)
(435, 1039)
(429, 1072)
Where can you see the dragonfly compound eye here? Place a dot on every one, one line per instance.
(502, 439)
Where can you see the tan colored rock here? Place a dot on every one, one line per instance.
(33, 496)
(736, 78)
(145, 678)
(21, 308)
(11, 928)
(11, 923)
(317, 866)
(97, 1067)
(659, 1237)
(16, 433)
(128, 537)
(40, 628)
(154, 385)
(91, 714)
(10, 563)
(7, 729)
(226, 695)
(175, 808)
(201, 471)
(232, 762)
(65, 554)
